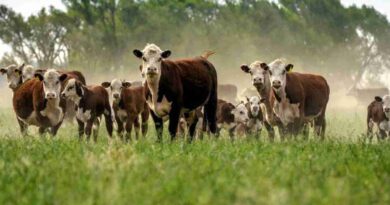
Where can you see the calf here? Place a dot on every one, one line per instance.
(91, 103)
(261, 81)
(300, 98)
(129, 102)
(37, 102)
(177, 87)
(233, 118)
(255, 114)
(378, 112)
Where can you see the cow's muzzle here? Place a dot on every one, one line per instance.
(50, 96)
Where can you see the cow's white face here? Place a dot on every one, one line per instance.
(51, 83)
(278, 70)
(14, 75)
(254, 105)
(116, 87)
(151, 56)
(240, 113)
(259, 73)
(28, 73)
(386, 105)
(70, 90)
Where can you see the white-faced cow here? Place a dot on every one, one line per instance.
(14, 75)
(37, 102)
(300, 98)
(91, 102)
(260, 78)
(129, 103)
(255, 114)
(378, 112)
(177, 87)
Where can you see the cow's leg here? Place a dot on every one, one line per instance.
(159, 125)
(108, 121)
(320, 126)
(88, 128)
(305, 131)
(136, 127)
(144, 120)
(270, 130)
(23, 127)
(80, 128)
(95, 129)
(42, 131)
(120, 127)
(211, 111)
(370, 126)
(129, 126)
(382, 135)
(192, 128)
(174, 116)
(54, 130)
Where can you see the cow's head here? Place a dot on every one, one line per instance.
(14, 75)
(28, 73)
(254, 105)
(385, 103)
(116, 87)
(259, 73)
(73, 90)
(278, 70)
(151, 56)
(240, 113)
(51, 83)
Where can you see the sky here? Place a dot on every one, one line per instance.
(28, 7)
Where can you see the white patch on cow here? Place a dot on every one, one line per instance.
(278, 73)
(386, 105)
(70, 93)
(240, 113)
(255, 125)
(51, 84)
(122, 114)
(28, 73)
(162, 108)
(53, 111)
(116, 89)
(254, 104)
(13, 76)
(83, 115)
(384, 125)
(286, 111)
(258, 74)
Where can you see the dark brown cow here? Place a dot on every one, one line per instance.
(92, 102)
(129, 102)
(301, 98)
(37, 102)
(176, 87)
(227, 92)
(378, 112)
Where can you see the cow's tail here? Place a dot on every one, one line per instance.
(207, 54)
(210, 108)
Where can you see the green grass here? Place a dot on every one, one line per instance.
(341, 170)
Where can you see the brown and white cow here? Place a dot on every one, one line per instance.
(14, 75)
(37, 102)
(129, 103)
(255, 115)
(378, 112)
(260, 78)
(300, 98)
(177, 87)
(232, 118)
(91, 102)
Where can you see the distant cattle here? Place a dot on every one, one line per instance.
(232, 118)
(14, 75)
(378, 112)
(176, 87)
(255, 115)
(365, 95)
(37, 102)
(91, 102)
(300, 98)
(227, 92)
(128, 104)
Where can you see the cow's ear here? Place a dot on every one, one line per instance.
(138, 53)
(247, 99)
(63, 77)
(18, 71)
(264, 66)
(3, 71)
(126, 84)
(166, 54)
(106, 84)
(245, 68)
(262, 100)
(289, 67)
(378, 99)
(79, 88)
(39, 76)
(21, 67)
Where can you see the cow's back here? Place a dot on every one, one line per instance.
(23, 99)
(375, 112)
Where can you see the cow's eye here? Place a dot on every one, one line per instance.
(284, 71)
(241, 112)
(71, 87)
(57, 82)
(270, 72)
(144, 59)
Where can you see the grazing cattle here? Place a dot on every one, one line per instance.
(378, 112)
(227, 92)
(129, 102)
(261, 81)
(300, 98)
(255, 114)
(232, 118)
(177, 87)
(37, 102)
(91, 102)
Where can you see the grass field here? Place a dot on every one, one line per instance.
(341, 170)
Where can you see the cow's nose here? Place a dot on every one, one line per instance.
(63, 95)
(387, 109)
(276, 84)
(257, 81)
(50, 95)
(255, 109)
(152, 69)
(116, 95)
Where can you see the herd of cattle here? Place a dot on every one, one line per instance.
(185, 92)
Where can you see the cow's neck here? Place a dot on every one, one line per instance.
(265, 95)
(80, 100)
(20, 82)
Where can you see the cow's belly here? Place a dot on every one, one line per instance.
(286, 112)
(385, 125)
(162, 108)
(31, 119)
(83, 115)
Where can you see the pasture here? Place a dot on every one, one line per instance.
(62, 170)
